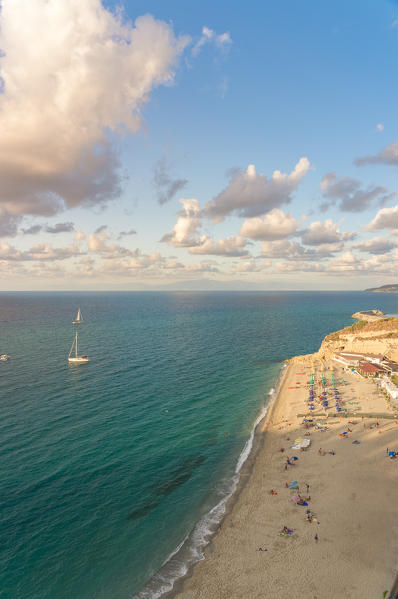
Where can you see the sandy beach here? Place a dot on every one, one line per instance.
(347, 545)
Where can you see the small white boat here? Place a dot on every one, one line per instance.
(4, 357)
(74, 357)
(78, 319)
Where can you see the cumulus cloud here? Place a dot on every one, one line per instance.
(60, 228)
(388, 155)
(251, 194)
(39, 252)
(275, 225)
(378, 245)
(345, 263)
(33, 230)
(98, 243)
(64, 104)
(79, 236)
(290, 250)
(45, 251)
(327, 232)
(386, 218)
(229, 247)
(53, 229)
(8, 224)
(222, 41)
(347, 193)
(166, 187)
(185, 231)
(252, 266)
(127, 233)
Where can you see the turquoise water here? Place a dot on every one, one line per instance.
(105, 468)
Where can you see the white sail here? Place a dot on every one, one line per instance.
(78, 318)
(74, 345)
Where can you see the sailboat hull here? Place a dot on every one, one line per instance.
(78, 359)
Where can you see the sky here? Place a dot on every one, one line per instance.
(211, 145)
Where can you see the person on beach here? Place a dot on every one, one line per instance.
(316, 538)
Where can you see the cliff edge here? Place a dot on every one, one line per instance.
(377, 337)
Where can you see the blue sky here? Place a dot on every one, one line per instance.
(95, 199)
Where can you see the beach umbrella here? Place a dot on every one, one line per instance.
(293, 485)
(391, 454)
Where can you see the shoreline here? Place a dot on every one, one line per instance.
(243, 467)
(244, 477)
(227, 568)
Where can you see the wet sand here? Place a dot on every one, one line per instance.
(353, 497)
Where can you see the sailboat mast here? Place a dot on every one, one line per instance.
(76, 344)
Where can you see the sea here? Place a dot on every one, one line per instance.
(114, 473)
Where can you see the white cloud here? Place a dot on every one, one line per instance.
(275, 225)
(388, 155)
(79, 236)
(223, 41)
(232, 246)
(252, 266)
(97, 243)
(380, 127)
(345, 263)
(377, 245)
(290, 250)
(45, 251)
(327, 232)
(185, 231)
(386, 218)
(251, 194)
(347, 192)
(75, 76)
(39, 252)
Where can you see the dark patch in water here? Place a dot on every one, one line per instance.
(142, 511)
(175, 479)
(210, 442)
(179, 476)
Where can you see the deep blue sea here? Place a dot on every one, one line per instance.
(106, 468)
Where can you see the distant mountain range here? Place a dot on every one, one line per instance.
(384, 289)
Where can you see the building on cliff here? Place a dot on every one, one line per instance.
(369, 369)
(350, 359)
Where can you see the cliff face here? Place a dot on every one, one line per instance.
(378, 337)
(369, 315)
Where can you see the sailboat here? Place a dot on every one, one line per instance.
(78, 319)
(74, 357)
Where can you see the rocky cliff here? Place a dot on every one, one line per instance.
(369, 315)
(377, 337)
